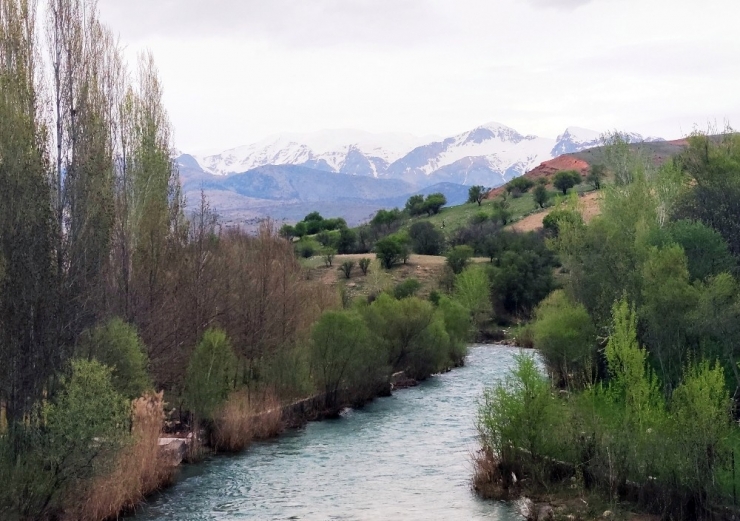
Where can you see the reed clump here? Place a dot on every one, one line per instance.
(140, 468)
(244, 418)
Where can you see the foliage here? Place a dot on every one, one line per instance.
(328, 256)
(566, 337)
(541, 195)
(387, 220)
(552, 221)
(364, 264)
(501, 211)
(346, 268)
(520, 280)
(412, 333)
(566, 179)
(596, 175)
(306, 248)
(713, 194)
(406, 289)
(426, 239)
(459, 257)
(706, 250)
(210, 375)
(391, 250)
(476, 194)
(519, 185)
(473, 291)
(343, 356)
(457, 324)
(118, 346)
(434, 203)
(415, 205)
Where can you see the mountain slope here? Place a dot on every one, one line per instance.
(490, 155)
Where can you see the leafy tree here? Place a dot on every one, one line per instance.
(305, 249)
(434, 203)
(386, 219)
(713, 195)
(519, 185)
(287, 231)
(301, 230)
(552, 221)
(346, 241)
(324, 238)
(210, 374)
(343, 357)
(501, 211)
(86, 424)
(566, 179)
(313, 217)
(426, 239)
(346, 268)
(412, 332)
(540, 195)
(520, 280)
(457, 324)
(415, 205)
(476, 194)
(364, 265)
(389, 250)
(458, 258)
(473, 291)
(406, 289)
(118, 346)
(566, 337)
(596, 175)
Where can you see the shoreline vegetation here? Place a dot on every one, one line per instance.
(635, 413)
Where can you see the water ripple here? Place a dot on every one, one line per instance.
(402, 457)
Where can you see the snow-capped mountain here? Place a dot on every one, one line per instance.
(347, 151)
(489, 155)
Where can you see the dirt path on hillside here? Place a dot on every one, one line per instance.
(591, 208)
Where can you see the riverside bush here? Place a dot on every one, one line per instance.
(117, 345)
(566, 337)
(622, 437)
(211, 374)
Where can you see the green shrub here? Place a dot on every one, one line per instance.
(458, 257)
(458, 327)
(210, 375)
(346, 268)
(343, 356)
(364, 265)
(391, 250)
(407, 288)
(473, 291)
(412, 333)
(566, 337)
(118, 346)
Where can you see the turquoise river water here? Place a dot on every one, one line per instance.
(405, 457)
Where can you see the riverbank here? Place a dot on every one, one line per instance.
(405, 456)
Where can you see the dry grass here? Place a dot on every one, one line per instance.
(139, 470)
(245, 418)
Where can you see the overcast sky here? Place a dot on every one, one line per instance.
(236, 71)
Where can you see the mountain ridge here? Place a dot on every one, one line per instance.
(490, 154)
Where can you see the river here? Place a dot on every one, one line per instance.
(403, 457)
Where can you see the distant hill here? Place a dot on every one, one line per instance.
(288, 192)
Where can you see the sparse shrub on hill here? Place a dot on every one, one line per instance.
(519, 185)
(391, 250)
(407, 288)
(346, 268)
(476, 194)
(364, 265)
(459, 257)
(566, 179)
(541, 195)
